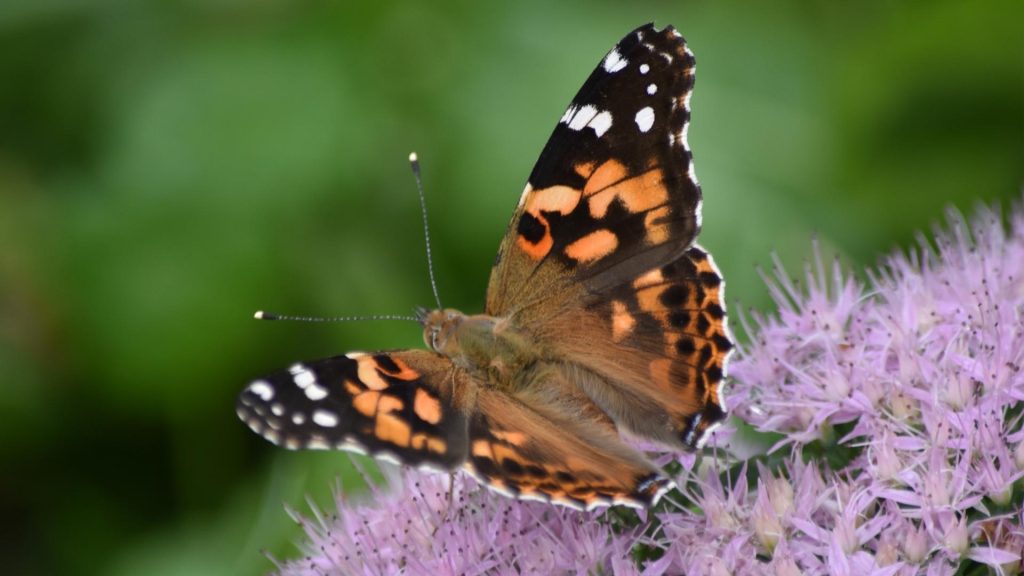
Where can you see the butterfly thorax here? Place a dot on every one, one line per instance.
(486, 346)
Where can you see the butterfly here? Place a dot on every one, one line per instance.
(603, 317)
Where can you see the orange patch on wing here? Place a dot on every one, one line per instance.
(437, 445)
(432, 444)
(369, 375)
(366, 403)
(389, 404)
(353, 388)
(711, 391)
(543, 246)
(649, 298)
(418, 441)
(585, 169)
(622, 321)
(637, 194)
(482, 448)
(593, 246)
(652, 278)
(427, 407)
(606, 174)
(403, 373)
(670, 343)
(391, 428)
(562, 199)
(656, 225)
(513, 438)
(502, 453)
(526, 489)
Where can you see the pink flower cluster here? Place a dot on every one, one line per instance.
(919, 377)
(898, 405)
(438, 525)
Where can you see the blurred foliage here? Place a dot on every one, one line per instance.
(168, 167)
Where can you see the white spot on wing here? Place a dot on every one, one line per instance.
(601, 123)
(351, 446)
(262, 389)
(277, 409)
(316, 392)
(652, 89)
(569, 113)
(304, 378)
(645, 118)
(318, 443)
(272, 436)
(325, 418)
(644, 68)
(582, 117)
(534, 497)
(614, 61)
(299, 418)
(693, 428)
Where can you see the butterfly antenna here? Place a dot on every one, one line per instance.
(261, 315)
(414, 161)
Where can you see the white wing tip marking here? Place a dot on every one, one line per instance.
(582, 117)
(263, 389)
(614, 61)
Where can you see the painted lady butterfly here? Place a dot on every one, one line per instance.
(602, 316)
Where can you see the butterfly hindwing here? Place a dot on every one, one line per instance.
(547, 443)
(405, 405)
(663, 350)
(613, 194)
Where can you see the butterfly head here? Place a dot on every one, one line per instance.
(440, 328)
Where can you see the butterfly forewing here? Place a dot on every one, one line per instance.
(613, 194)
(405, 405)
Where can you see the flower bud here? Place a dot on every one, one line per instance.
(915, 545)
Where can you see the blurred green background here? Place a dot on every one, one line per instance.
(168, 167)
